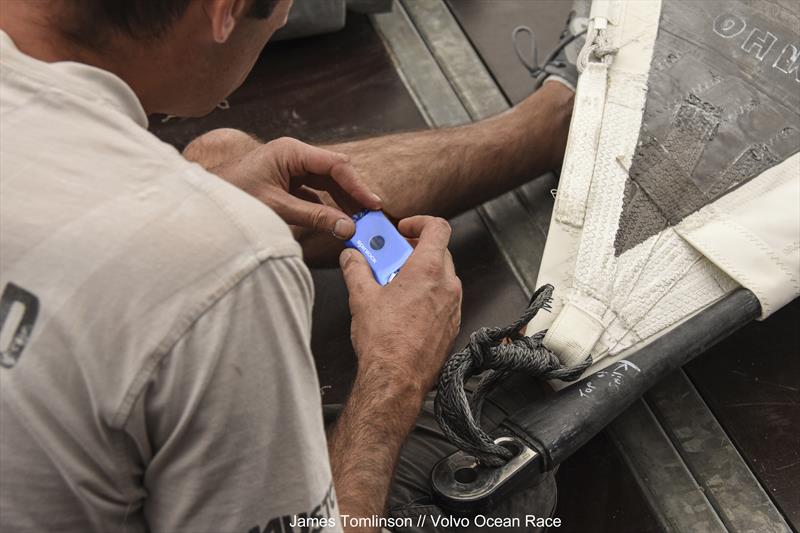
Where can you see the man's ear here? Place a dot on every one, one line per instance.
(224, 15)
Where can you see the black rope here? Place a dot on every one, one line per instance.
(486, 351)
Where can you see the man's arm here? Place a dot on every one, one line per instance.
(365, 443)
(402, 334)
(438, 172)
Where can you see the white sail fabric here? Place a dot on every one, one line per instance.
(615, 292)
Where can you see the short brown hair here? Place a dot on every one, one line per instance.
(90, 22)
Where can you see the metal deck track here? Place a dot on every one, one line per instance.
(687, 467)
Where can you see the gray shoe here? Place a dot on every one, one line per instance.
(560, 64)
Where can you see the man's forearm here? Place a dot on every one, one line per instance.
(365, 443)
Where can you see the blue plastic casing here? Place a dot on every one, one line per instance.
(379, 241)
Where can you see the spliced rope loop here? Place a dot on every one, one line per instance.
(498, 351)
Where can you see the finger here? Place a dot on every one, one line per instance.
(318, 217)
(308, 194)
(322, 198)
(449, 265)
(357, 274)
(450, 268)
(348, 178)
(433, 233)
(303, 159)
(411, 227)
(338, 195)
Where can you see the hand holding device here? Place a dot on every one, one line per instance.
(404, 331)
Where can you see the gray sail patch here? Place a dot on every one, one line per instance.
(722, 108)
(695, 123)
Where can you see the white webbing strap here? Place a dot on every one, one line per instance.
(614, 134)
(573, 335)
(584, 132)
(600, 10)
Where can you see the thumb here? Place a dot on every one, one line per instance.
(357, 274)
(322, 218)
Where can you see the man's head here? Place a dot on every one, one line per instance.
(180, 56)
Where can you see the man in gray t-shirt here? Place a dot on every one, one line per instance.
(156, 372)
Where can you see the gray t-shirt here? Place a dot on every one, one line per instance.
(156, 373)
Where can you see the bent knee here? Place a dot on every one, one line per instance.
(219, 145)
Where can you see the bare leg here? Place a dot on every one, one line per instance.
(446, 171)
(439, 172)
(219, 146)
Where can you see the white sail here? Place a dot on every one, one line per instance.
(681, 179)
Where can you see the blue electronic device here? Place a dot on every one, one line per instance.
(379, 241)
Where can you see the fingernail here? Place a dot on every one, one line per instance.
(344, 257)
(377, 198)
(338, 229)
(345, 157)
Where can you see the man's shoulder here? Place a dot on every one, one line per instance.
(132, 176)
(213, 201)
(124, 251)
(246, 222)
(81, 153)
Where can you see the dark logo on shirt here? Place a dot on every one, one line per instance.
(17, 303)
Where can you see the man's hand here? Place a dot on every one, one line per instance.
(407, 327)
(286, 174)
(402, 334)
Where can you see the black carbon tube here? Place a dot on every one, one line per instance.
(560, 424)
